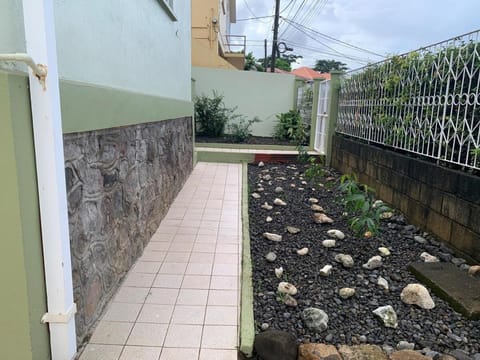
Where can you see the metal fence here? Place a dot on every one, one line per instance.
(426, 102)
(322, 116)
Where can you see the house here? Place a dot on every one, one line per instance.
(213, 45)
(308, 74)
(92, 151)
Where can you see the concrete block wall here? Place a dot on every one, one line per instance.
(443, 201)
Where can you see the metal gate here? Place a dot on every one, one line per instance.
(322, 116)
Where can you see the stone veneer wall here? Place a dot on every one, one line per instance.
(443, 201)
(120, 184)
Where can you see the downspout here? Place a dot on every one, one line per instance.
(47, 129)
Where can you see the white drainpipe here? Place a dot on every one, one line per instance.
(47, 129)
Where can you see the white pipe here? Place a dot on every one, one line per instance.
(47, 129)
(38, 69)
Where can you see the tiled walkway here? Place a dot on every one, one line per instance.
(181, 299)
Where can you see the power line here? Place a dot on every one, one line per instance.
(251, 11)
(294, 16)
(256, 18)
(286, 7)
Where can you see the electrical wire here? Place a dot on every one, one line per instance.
(256, 18)
(299, 9)
(251, 12)
(286, 7)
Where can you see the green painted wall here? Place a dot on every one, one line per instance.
(254, 93)
(88, 107)
(23, 302)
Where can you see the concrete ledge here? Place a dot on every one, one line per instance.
(452, 284)
(247, 330)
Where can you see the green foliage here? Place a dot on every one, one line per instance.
(288, 125)
(284, 62)
(211, 115)
(326, 66)
(240, 131)
(252, 64)
(315, 170)
(359, 203)
(302, 156)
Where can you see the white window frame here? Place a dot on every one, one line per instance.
(168, 7)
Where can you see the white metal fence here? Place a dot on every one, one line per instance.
(426, 102)
(322, 117)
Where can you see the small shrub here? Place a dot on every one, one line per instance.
(359, 202)
(290, 127)
(240, 131)
(315, 170)
(211, 115)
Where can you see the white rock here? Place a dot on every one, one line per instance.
(260, 189)
(261, 164)
(293, 230)
(313, 201)
(474, 270)
(279, 272)
(326, 270)
(337, 234)
(346, 293)
(417, 294)
(329, 243)
(302, 251)
(316, 207)
(300, 189)
(255, 195)
(266, 206)
(426, 257)
(386, 215)
(384, 251)
(419, 239)
(286, 288)
(383, 283)
(377, 203)
(292, 185)
(279, 202)
(269, 219)
(321, 218)
(278, 189)
(373, 263)
(388, 315)
(345, 260)
(304, 182)
(267, 177)
(272, 237)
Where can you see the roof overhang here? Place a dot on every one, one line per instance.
(233, 11)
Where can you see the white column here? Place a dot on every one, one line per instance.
(47, 127)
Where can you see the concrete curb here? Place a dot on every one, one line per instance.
(247, 329)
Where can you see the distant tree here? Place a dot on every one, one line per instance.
(326, 66)
(252, 64)
(284, 62)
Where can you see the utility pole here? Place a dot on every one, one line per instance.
(275, 35)
(265, 60)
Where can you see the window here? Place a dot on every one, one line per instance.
(168, 7)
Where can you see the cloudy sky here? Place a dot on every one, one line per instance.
(380, 26)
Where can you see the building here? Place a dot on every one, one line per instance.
(92, 154)
(213, 45)
(308, 74)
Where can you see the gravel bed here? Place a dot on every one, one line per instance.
(351, 321)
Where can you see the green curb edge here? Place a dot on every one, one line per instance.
(247, 329)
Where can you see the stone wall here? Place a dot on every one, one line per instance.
(120, 184)
(440, 200)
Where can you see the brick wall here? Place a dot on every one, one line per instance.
(120, 184)
(440, 200)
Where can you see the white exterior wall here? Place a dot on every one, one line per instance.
(132, 45)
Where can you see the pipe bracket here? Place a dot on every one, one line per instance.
(60, 318)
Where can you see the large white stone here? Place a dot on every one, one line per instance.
(346, 293)
(426, 257)
(326, 270)
(279, 272)
(373, 263)
(345, 260)
(286, 288)
(384, 251)
(321, 218)
(337, 234)
(272, 237)
(329, 243)
(417, 294)
(302, 251)
(279, 202)
(388, 316)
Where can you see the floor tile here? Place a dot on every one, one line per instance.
(183, 238)
(173, 268)
(204, 247)
(201, 257)
(207, 231)
(184, 336)
(140, 353)
(216, 354)
(181, 246)
(164, 229)
(173, 281)
(225, 269)
(199, 269)
(161, 237)
(150, 267)
(122, 312)
(157, 246)
(223, 297)
(221, 315)
(111, 332)
(208, 239)
(179, 257)
(179, 354)
(226, 248)
(147, 334)
(139, 280)
(192, 297)
(104, 352)
(196, 282)
(228, 239)
(224, 283)
(132, 295)
(151, 255)
(222, 258)
(188, 314)
(189, 230)
(219, 337)
(162, 296)
(155, 313)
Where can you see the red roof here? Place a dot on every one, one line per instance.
(309, 74)
(279, 71)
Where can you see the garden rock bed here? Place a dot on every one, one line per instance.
(351, 319)
(251, 140)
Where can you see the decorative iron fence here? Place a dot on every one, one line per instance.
(426, 102)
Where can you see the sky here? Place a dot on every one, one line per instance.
(384, 27)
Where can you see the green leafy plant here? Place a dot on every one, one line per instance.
(211, 115)
(315, 170)
(302, 156)
(358, 200)
(240, 131)
(289, 126)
